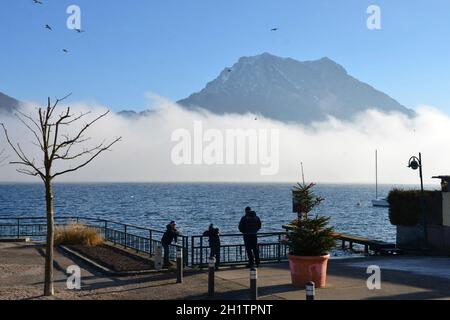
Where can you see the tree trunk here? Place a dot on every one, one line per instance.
(48, 287)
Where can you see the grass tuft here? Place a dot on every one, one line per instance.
(76, 234)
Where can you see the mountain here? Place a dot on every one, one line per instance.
(7, 104)
(289, 90)
(135, 115)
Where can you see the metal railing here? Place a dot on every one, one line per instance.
(140, 239)
(232, 249)
(145, 240)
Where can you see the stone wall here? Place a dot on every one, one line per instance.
(412, 237)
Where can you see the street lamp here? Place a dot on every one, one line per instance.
(416, 163)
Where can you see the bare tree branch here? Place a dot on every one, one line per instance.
(99, 151)
(81, 115)
(48, 136)
(18, 151)
(66, 155)
(30, 119)
(27, 172)
(57, 101)
(79, 134)
(32, 130)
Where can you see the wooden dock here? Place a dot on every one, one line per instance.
(379, 247)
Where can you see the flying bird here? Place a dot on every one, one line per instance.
(37, 2)
(66, 51)
(274, 29)
(229, 70)
(48, 27)
(79, 30)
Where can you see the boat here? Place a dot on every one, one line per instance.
(378, 202)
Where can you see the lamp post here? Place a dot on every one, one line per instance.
(416, 163)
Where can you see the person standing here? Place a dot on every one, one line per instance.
(168, 237)
(213, 235)
(249, 226)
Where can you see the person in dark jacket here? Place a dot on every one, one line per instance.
(249, 225)
(213, 235)
(168, 237)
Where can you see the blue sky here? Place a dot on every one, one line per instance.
(173, 48)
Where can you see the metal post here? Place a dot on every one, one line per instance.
(184, 251)
(180, 265)
(18, 228)
(279, 248)
(158, 258)
(212, 268)
(150, 245)
(425, 231)
(192, 251)
(310, 291)
(125, 231)
(253, 284)
(201, 251)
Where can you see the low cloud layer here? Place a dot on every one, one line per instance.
(332, 151)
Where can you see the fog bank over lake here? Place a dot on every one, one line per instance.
(332, 151)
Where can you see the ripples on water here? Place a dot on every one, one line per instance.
(195, 206)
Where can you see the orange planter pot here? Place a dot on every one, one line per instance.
(305, 269)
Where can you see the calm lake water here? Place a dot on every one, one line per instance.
(195, 206)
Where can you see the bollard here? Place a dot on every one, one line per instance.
(310, 290)
(180, 266)
(253, 284)
(212, 268)
(158, 258)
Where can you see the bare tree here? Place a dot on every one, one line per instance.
(48, 131)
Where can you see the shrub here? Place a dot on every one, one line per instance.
(304, 200)
(76, 234)
(405, 207)
(310, 237)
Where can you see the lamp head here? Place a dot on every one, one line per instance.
(413, 164)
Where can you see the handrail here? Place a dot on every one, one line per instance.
(83, 218)
(259, 234)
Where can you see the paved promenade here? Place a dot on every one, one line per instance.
(21, 276)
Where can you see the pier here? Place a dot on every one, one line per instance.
(379, 247)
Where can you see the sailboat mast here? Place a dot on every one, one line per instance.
(376, 174)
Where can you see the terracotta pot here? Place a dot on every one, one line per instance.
(305, 269)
